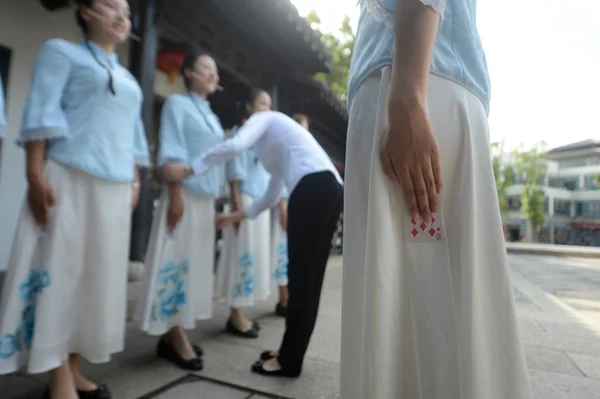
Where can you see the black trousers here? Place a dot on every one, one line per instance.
(313, 211)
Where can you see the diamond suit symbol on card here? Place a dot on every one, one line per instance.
(432, 232)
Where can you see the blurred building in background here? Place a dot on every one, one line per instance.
(572, 198)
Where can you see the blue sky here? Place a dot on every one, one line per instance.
(544, 61)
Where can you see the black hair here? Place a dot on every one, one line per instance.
(241, 106)
(188, 63)
(80, 21)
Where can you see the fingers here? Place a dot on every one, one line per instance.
(50, 197)
(420, 190)
(388, 167)
(437, 170)
(431, 187)
(173, 219)
(408, 191)
(41, 214)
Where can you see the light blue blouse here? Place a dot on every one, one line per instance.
(458, 54)
(86, 126)
(188, 127)
(249, 171)
(2, 112)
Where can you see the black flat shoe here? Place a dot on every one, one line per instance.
(169, 353)
(198, 350)
(101, 392)
(258, 368)
(281, 310)
(251, 333)
(267, 355)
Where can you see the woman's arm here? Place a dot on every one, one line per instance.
(415, 30)
(247, 136)
(410, 155)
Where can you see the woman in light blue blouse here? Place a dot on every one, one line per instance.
(178, 281)
(65, 291)
(244, 271)
(428, 309)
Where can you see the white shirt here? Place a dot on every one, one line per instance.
(286, 150)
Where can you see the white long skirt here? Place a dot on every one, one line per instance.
(65, 289)
(243, 272)
(279, 250)
(427, 320)
(178, 276)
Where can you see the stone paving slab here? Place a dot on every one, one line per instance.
(590, 365)
(557, 361)
(550, 385)
(562, 345)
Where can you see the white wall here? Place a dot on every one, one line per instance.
(24, 26)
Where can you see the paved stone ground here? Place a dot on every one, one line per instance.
(558, 301)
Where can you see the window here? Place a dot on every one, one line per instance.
(514, 203)
(590, 182)
(575, 163)
(594, 207)
(562, 207)
(578, 208)
(567, 183)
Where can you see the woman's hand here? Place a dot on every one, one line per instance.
(236, 201)
(411, 156)
(135, 194)
(283, 215)
(225, 219)
(175, 172)
(176, 207)
(41, 198)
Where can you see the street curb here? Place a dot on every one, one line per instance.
(553, 250)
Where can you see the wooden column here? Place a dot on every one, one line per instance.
(142, 63)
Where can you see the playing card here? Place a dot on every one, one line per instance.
(417, 230)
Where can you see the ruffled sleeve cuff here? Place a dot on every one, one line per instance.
(44, 134)
(142, 162)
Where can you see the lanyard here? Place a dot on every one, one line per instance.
(111, 84)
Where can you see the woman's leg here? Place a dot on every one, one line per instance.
(283, 295)
(177, 339)
(61, 384)
(240, 321)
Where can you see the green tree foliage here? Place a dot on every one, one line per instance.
(531, 167)
(503, 173)
(341, 45)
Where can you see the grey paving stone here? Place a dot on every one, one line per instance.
(15, 386)
(319, 379)
(590, 365)
(549, 385)
(550, 360)
(574, 344)
(531, 332)
(566, 329)
(202, 390)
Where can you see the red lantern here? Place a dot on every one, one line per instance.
(169, 61)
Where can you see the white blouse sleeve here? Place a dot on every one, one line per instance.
(383, 10)
(276, 185)
(246, 137)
